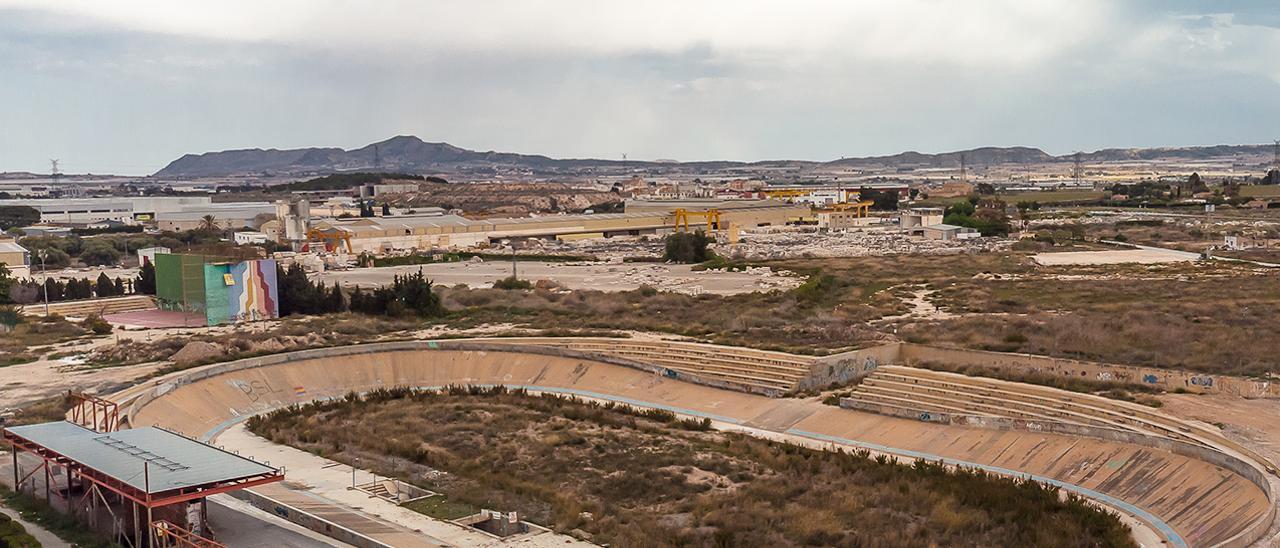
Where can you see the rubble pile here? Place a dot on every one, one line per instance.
(794, 244)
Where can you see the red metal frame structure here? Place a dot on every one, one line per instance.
(99, 487)
(170, 535)
(93, 412)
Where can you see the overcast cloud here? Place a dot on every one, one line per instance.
(128, 85)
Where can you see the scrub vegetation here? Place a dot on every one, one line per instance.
(626, 477)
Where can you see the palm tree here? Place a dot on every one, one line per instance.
(209, 222)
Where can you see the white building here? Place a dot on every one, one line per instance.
(949, 232)
(16, 258)
(148, 254)
(921, 217)
(247, 238)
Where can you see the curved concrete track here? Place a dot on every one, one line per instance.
(1193, 502)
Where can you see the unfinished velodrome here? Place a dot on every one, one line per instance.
(1189, 484)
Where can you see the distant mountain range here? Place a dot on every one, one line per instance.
(409, 154)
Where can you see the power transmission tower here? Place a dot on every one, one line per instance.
(1275, 161)
(377, 159)
(1078, 173)
(963, 175)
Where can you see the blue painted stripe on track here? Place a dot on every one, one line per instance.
(1165, 529)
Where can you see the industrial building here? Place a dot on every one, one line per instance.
(16, 258)
(439, 230)
(946, 232)
(920, 217)
(226, 216)
(169, 212)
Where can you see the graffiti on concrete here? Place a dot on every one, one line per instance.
(254, 390)
(1150, 379)
(870, 364)
(1204, 382)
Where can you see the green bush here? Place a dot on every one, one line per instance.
(96, 324)
(687, 247)
(13, 535)
(512, 282)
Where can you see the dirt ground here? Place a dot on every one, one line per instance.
(680, 278)
(1255, 423)
(1119, 256)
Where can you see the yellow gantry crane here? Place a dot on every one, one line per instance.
(329, 238)
(712, 217)
(862, 209)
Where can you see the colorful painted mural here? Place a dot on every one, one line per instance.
(241, 292)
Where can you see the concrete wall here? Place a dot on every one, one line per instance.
(312, 522)
(1249, 470)
(1167, 379)
(848, 367)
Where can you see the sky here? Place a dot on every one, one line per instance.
(126, 86)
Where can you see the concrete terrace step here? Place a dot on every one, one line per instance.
(87, 307)
(907, 403)
(1125, 418)
(1054, 412)
(736, 378)
(982, 407)
(1034, 393)
(694, 357)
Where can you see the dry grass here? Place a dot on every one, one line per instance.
(1213, 318)
(626, 478)
(818, 317)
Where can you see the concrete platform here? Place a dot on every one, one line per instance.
(1118, 256)
(156, 318)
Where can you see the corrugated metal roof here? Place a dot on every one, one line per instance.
(174, 462)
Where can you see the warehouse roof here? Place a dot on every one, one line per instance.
(171, 461)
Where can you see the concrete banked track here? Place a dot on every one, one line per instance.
(1190, 500)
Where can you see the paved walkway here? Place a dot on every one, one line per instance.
(46, 538)
(322, 487)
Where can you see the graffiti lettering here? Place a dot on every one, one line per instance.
(254, 390)
(1150, 379)
(870, 364)
(925, 416)
(1206, 382)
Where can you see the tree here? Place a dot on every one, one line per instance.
(119, 286)
(1196, 184)
(146, 281)
(104, 287)
(6, 284)
(18, 216)
(99, 253)
(1272, 178)
(209, 223)
(54, 289)
(881, 200)
(53, 257)
(686, 247)
(386, 210)
(986, 189)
